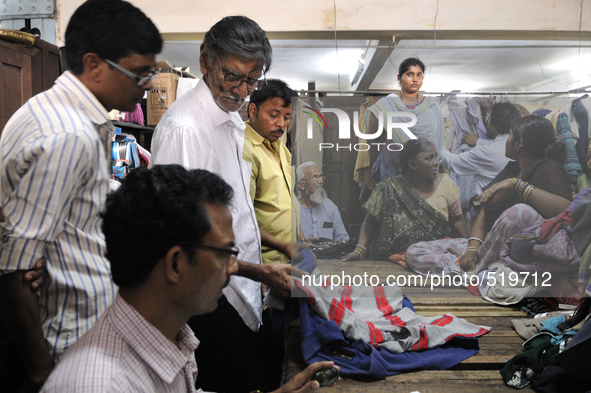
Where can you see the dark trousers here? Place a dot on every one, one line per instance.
(12, 374)
(231, 358)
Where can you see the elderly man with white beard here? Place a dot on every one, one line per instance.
(320, 219)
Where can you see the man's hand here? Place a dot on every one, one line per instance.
(469, 139)
(294, 251)
(278, 277)
(36, 275)
(301, 383)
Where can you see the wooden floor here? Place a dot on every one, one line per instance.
(476, 374)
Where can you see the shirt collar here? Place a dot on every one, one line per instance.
(217, 115)
(501, 137)
(95, 111)
(258, 140)
(157, 351)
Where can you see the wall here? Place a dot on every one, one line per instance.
(496, 19)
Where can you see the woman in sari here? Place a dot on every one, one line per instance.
(532, 187)
(418, 205)
(386, 163)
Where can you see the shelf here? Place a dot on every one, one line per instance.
(132, 128)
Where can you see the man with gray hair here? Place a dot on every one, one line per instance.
(319, 216)
(202, 130)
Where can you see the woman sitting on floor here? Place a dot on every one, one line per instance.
(418, 205)
(535, 185)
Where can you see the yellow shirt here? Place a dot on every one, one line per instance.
(271, 189)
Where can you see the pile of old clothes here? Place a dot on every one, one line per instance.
(556, 353)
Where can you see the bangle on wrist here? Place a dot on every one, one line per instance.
(521, 187)
(361, 250)
(528, 191)
(477, 239)
(475, 249)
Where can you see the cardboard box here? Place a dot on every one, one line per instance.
(163, 92)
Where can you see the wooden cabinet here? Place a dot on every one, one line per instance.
(25, 72)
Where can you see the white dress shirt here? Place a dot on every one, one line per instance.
(197, 134)
(484, 161)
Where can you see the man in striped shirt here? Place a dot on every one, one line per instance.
(54, 175)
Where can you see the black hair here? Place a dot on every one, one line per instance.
(502, 115)
(411, 150)
(407, 63)
(154, 210)
(539, 138)
(274, 88)
(112, 29)
(238, 36)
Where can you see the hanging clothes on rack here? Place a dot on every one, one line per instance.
(476, 117)
(580, 114)
(448, 125)
(564, 134)
(363, 161)
(305, 149)
(541, 112)
(459, 113)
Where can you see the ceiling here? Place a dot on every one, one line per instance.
(461, 65)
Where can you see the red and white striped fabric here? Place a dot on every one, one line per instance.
(375, 315)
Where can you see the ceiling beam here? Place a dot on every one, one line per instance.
(542, 35)
(374, 64)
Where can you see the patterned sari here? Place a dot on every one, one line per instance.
(404, 218)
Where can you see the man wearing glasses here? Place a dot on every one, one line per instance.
(55, 177)
(169, 239)
(202, 130)
(320, 217)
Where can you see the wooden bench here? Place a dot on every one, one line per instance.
(479, 373)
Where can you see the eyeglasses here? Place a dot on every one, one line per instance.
(235, 80)
(232, 251)
(139, 80)
(315, 178)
